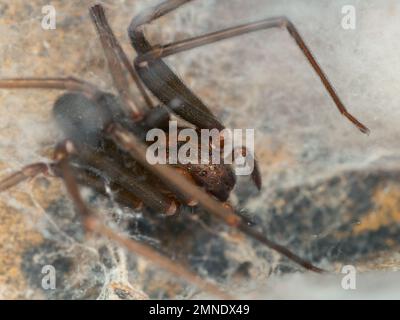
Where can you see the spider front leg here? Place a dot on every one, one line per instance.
(149, 56)
(161, 80)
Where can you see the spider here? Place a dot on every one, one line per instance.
(104, 135)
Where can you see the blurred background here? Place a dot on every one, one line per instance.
(331, 193)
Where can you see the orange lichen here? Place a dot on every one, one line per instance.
(386, 211)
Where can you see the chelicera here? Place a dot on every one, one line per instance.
(104, 135)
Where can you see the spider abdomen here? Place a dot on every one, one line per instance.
(80, 118)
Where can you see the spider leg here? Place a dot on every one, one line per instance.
(99, 185)
(122, 177)
(28, 172)
(120, 194)
(156, 12)
(134, 179)
(68, 83)
(93, 224)
(103, 27)
(150, 55)
(131, 102)
(131, 144)
(161, 80)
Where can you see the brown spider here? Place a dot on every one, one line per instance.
(104, 135)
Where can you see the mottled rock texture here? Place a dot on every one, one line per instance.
(330, 193)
